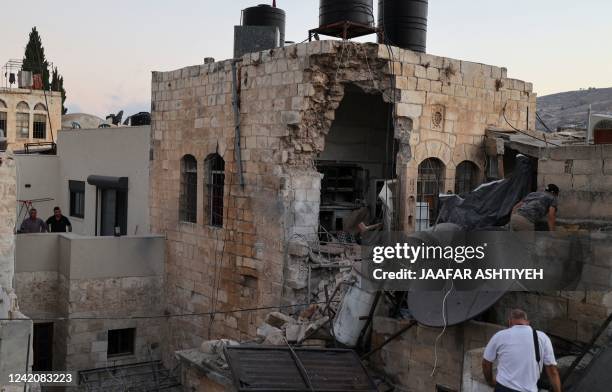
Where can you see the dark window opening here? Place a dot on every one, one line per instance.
(3, 124)
(113, 212)
(466, 177)
(40, 126)
(42, 346)
(216, 186)
(188, 207)
(430, 184)
(77, 198)
(121, 342)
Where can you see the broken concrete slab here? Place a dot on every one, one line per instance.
(278, 319)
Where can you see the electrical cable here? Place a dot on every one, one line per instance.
(433, 371)
(542, 122)
(168, 316)
(526, 133)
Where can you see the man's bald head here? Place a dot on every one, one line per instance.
(518, 317)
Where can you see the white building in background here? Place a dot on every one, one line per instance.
(99, 178)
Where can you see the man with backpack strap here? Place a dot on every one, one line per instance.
(521, 352)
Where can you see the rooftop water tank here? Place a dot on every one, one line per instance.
(356, 11)
(404, 23)
(265, 15)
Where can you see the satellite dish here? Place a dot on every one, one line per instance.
(426, 306)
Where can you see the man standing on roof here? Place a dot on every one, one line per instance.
(58, 223)
(520, 352)
(33, 224)
(534, 207)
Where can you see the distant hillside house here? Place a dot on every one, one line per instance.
(24, 117)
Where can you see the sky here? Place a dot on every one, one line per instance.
(106, 50)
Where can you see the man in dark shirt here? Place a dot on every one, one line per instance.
(58, 223)
(536, 206)
(33, 224)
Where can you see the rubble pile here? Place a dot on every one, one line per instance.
(315, 270)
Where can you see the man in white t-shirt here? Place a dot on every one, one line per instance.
(514, 350)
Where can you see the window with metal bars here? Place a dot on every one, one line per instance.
(188, 209)
(216, 186)
(430, 183)
(22, 125)
(121, 342)
(3, 124)
(40, 126)
(466, 177)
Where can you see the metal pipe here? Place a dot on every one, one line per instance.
(235, 106)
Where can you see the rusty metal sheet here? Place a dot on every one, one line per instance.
(263, 368)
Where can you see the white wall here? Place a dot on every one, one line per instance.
(37, 178)
(115, 152)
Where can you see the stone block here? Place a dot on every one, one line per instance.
(409, 110)
(592, 166)
(420, 72)
(278, 319)
(100, 346)
(416, 97)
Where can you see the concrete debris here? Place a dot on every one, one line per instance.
(278, 319)
(265, 330)
(294, 331)
(213, 350)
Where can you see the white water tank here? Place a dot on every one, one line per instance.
(357, 303)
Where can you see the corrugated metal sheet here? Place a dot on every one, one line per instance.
(262, 368)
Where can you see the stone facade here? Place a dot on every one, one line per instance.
(34, 106)
(408, 361)
(15, 328)
(88, 286)
(288, 103)
(584, 174)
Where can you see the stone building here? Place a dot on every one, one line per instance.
(24, 117)
(15, 327)
(234, 186)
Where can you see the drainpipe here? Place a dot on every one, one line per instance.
(236, 107)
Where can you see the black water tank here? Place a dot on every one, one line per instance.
(265, 15)
(404, 23)
(358, 11)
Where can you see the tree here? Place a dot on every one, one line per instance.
(36, 62)
(57, 84)
(34, 59)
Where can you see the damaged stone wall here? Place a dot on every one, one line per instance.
(288, 98)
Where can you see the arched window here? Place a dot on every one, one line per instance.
(430, 184)
(22, 121)
(215, 183)
(188, 201)
(466, 177)
(40, 107)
